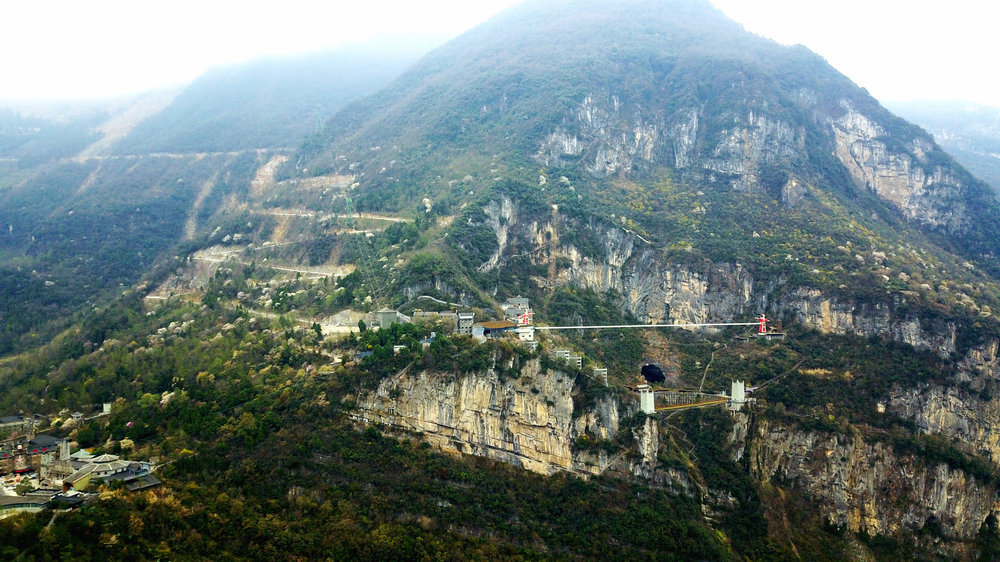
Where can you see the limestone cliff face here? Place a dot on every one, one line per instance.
(810, 307)
(968, 413)
(526, 422)
(955, 413)
(859, 483)
(923, 192)
(755, 143)
(611, 137)
(657, 292)
(864, 486)
(742, 145)
(499, 215)
(630, 266)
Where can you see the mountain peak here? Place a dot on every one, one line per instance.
(605, 92)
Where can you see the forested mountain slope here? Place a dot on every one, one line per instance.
(666, 120)
(28, 140)
(616, 162)
(685, 85)
(92, 195)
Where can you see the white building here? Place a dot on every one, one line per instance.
(646, 399)
(525, 333)
(737, 396)
(465, 322)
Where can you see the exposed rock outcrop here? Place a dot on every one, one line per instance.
(923, 192)
(611, 137)
(526, 422)
(865, 487)
(499, 216)
(810, 307)
(614, 137)
(969, 412)
(969, 419)
(856, 482)
(658, 292)
(755, 143)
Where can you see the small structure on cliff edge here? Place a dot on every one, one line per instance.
(386, 318)
(518, 310)
(517, 324)
(492, 330)
(766, 332)
(568, 357)
(466, 320)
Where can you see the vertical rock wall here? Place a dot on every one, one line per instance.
(865, 487)
(526, 422)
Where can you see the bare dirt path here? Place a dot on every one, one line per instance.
(307, 214)
(221, 254)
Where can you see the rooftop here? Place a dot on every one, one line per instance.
(45, 441)
(104, 458)
(14, 501)
(498, 325)
(133, 482)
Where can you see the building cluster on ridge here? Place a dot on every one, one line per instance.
(517, 323)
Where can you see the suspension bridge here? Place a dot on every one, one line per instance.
(632, 326)
(657, 400)
(761, 324)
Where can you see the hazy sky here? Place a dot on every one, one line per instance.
(899, 50)
(57, 48)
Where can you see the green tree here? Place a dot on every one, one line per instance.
(23, 487)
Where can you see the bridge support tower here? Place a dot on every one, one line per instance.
(737, 396)
(646, 402)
